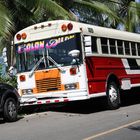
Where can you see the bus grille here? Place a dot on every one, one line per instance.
(48, 84)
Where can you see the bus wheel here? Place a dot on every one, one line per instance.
(113, 95)
(10, 110)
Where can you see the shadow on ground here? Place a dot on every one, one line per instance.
(128, 98)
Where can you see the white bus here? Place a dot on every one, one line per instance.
(62, 61)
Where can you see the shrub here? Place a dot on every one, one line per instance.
(9, 80)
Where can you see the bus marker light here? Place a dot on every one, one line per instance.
(35, 27)
(70, 26)
(24, 36)
(42, 26)
(64, 27)
(18, 36)
(22, 78)
(49, 25)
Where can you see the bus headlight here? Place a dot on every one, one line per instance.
(70, 86)
(27, 91)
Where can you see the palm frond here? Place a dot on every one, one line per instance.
(6, 25)
(133, 16)
(54, 8)
(99, 7)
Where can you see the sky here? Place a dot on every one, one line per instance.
(137, 0)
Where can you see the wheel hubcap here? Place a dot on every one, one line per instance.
(11, 108)
(112, 93)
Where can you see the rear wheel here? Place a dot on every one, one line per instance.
(10, 110)
(113, 95)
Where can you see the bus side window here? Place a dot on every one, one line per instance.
(112, 46)
(127, 47)
(120, 47)
(94, 44)
(104, 45)
(138, 47)
(133, 48)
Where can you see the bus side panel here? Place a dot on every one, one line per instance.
(98, 70)
(132, 67)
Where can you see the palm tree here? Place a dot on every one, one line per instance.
(127, 10)
(5, 22)
(94, 12)
(23, 13)
(130, 12)
(18, 14)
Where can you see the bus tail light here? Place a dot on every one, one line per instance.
(24, 36)
(73, 71)
(22, 78)
(18, 36)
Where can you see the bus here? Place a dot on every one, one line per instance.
(64, 61)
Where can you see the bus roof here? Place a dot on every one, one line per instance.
(54, 28)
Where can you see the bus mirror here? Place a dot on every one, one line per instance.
(74, 53)
(87, 40)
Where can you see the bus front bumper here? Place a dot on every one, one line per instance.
(53, 97)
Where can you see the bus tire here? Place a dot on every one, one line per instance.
(113, 95)
(10, 110)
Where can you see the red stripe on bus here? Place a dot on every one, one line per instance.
(47, 102)
(39, 102)
(56, 101)
(66, 100)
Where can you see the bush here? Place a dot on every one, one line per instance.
(9, 80)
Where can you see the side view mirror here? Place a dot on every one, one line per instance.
(74, 53)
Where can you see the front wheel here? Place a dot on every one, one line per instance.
(10, 110)
(113, 96)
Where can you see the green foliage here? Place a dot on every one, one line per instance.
(9, 80)
(5, 22)
(127, 10)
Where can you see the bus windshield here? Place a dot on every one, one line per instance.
(29, 54)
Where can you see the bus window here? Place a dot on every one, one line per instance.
(138, 47)
(94, 45)
(112, 46)
(104, 45)
(133, 48)
(127, 48)
(120, 47)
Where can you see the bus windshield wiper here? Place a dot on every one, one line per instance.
(36, 65)
(55, 63)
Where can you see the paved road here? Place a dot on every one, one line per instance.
(79, 121)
